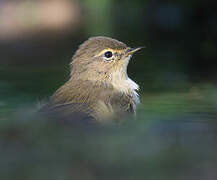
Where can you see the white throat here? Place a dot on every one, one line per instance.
(122, 82)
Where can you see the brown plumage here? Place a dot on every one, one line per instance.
(99, 88)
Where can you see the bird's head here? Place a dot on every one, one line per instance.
(101, 58)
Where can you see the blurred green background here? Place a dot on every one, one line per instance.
(175, 134)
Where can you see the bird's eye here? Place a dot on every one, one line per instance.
(108, 54)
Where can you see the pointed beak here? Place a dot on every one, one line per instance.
(131, 51)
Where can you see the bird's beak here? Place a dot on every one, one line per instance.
(131, 51)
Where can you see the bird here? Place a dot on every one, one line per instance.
(99, 89)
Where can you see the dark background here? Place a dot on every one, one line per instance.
(175, 134)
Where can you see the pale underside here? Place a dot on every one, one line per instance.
(122, 84)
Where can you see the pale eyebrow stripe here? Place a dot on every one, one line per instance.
(103, 51)
(109, 49)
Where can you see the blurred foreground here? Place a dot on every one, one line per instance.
(174, 137)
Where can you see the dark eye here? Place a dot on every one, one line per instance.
(108, 54)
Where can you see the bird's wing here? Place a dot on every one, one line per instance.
(68, 112)
(123, 103)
